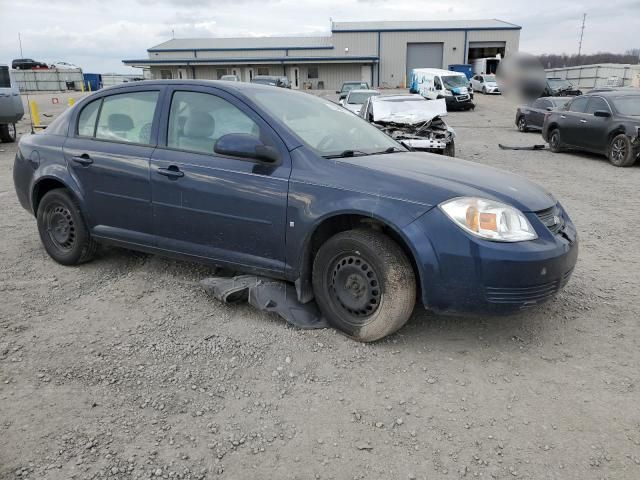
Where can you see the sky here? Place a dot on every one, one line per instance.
(98, 34)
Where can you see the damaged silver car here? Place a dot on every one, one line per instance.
(412, 120)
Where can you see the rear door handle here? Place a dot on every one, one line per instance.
(171, 171)
(83, 159)
(563, 116)
(583, 121)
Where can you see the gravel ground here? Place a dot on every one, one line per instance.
(124, 368)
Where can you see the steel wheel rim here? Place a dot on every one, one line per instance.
(354, 288)
(60, 227)
(619, 150)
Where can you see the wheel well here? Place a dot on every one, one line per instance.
(615, 133)
(340, 223)
(41, 188)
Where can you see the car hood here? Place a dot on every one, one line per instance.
(431, 179)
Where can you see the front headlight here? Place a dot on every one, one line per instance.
(489, 219)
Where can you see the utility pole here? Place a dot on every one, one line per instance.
(584, 19)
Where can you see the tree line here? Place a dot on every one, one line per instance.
(631, 56)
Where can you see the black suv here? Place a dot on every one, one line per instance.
(602, 122)
(27, 64)
(559, 87)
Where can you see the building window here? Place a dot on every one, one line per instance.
(220, 72)
(312, 72)
(165, 74)
(263, 70)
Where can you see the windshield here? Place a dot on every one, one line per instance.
(627, 105)
(490, 78)
(558, 84)
(358, 98)
(346, 87)
(264, 81)
(455, 81)
(324, 126)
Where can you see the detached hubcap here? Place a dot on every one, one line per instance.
(354, 286)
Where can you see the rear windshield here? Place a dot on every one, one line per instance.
(5, 81)
(352, 86)
(628, 105)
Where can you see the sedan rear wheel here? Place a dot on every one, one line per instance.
(62, 229)
(555, 143)
(364, 284)
(621, 152)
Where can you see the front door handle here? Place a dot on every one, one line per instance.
(563, 116)
(83, 159)
(171, 171)
(583, 121)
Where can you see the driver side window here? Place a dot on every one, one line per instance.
(197, 120)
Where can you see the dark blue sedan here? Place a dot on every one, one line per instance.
(287, 185)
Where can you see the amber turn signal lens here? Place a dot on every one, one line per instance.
(488, 221)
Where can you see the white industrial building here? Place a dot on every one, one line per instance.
(381, 53)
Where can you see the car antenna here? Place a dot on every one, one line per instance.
(27, 92)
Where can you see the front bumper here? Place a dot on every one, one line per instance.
(464, 274)
(455, 102)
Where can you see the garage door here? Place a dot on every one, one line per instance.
(423, 55)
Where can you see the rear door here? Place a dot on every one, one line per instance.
(536, 114)
(216, 206)
(108, 154)
(572, 122)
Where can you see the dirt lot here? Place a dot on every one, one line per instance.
(124, 368)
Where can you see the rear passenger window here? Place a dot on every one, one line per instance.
(127, 117)
(198, 120)
(87, 119)
(579, 105)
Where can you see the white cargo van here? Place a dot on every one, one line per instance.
(433, 83)
(11, 109)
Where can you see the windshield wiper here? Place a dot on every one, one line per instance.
(348, 153)
(389, 150)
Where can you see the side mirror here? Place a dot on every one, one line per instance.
(338, 92)
(601, 113)
(244, 145)
(549, 109)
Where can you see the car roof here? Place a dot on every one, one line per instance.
(362, 90)
(620, 92)
(350, 82)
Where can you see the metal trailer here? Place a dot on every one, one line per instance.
(48, 80)
(586, 77)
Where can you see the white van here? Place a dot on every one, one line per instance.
(11, 109)
(434, 83)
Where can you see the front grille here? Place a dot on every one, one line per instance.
(551, 218)
(527, 295)
(462, 98)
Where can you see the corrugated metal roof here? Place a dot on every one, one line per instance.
(244, 43)
(423, 25)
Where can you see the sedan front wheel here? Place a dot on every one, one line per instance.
(621, 152)
(364, 284)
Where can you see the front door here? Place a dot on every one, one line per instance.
(573, 121)
(216, 206)
(109, 155)
(597, 128)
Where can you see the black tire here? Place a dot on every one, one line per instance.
(8, 133)
(450, 150)
(522, 124)
(62, 229)
(555, 141)
(621, 152)
(364, 284)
